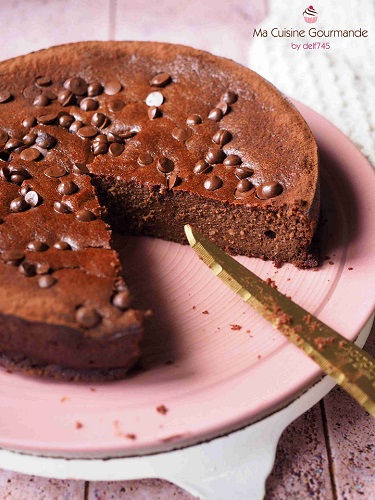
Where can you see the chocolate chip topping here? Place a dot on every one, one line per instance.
(37, 246)
(24, 190)
(94, 89)
(55, 171)
(5, 96)
(232, 161)
(12, 257)
(99, 148)
(62, 245)
(65, 97)
(243, 172)
(66, 120)
(222, 137)
(116, 105)
(155, 99)
(75, 126)
(17, 178)
(67, 187)
(145, 159)
(87, 317)
(202, 167)
(193, 120)
(153, 112)
(98, 119)
(173, 180)
(85, 215)
(122, 300)
(43, 81)
(27, 269)
(115, 149)
(47, 119)
(45, 141)
(77, 85)
(29, 122)
(18, 205)
(224, 107)
(61, 208)
(181, 134)
(28, 139)
(3, 137)
(87, 132)
(13, 144)
(80, 168)
(112, 87)
(88, 104)
(229, 97)
(46, 281)
(215, 156)
(160, 80)
(41, 100)
(215, 114)
(269, 190)
(165, 165)
(213, 183)
(43, 268)
(33, 198)
(244, 185)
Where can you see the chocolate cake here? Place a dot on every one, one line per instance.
(141, 138)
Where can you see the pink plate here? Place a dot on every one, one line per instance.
(211, 361)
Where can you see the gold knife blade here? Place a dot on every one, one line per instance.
(351, 367)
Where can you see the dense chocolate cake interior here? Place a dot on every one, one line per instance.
(144, 138)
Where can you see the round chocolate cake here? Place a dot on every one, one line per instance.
(141, 138)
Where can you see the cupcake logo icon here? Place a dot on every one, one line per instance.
(310, 14)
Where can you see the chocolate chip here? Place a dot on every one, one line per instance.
(232, 161)
(67, 187)
(114, 138)
(115, 149)
(222, 137)
(165, 165)
(45, 140)
(193, 120)
(243, 172)
(18, 205)
(224, 107)
(29, 122)
(62, 245)
(48, 119)
(29, 139)
(101, 139)
(5, 156)
(30, 154)
(77, 85)
(43, 268)
(27, 269)
(94, 89)
(46, 281)
(55, 171)
(229, 97)
(75, 126)
(5, 173)
(153, 112)
(43, 81)
(87, 317)
(100, 148)
(30, 92)
(173, 180)
(269, 190)
(244, 185)
(127, 134)
(215, 114)
(65, 97)
(3, 137)
(145, 159)
(80, 168)
(84, 215)
(17, 178)
(160, 80)
(122, 300)
(98, 119)
(51, 95)
(88, 104)
(215, 156)
(61, 208)
(13, 144)
(202, 167)
(213, 183)
(12, 257)
(155, 99)
(66, 120)
(33, 198)
(87, 132)
(24, 190)
(112, 87)
(116, 105)
(5, 96)
(37, 246)
(181, 134)
(41, 100)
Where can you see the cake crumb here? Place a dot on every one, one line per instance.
(350, 269)
(194, 307)
(327, 257)
(248, 331)
(64, 398)
(236, 327)
(130, 436)
(322, 342)
(205, 312)
(330, 263)
(79, 425)
(92, 389)
(162, 409)
(259, 356)
(272, 283)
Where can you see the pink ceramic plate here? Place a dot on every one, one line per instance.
(211, 362)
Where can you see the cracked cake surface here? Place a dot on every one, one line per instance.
(142, 138)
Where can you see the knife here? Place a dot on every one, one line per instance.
(351, 367)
